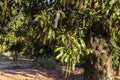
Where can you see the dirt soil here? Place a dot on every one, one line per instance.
(26, 69)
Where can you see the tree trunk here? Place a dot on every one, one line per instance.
(99, 63)
(118, 71)
(15, 55)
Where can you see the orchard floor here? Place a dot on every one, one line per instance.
(34, 74)
(26, 69)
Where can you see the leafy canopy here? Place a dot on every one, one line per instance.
(59, 24)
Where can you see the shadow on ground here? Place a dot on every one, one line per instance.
(26, 69)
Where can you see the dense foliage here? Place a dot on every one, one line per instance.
(44, 27)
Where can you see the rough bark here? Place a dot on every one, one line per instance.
(99, 62)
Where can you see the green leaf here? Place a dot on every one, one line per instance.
(50, 33)
(45, 38)
(67, 58)
(37, 17)
(58, 49)
(82, 43)
(59, 55)
(84, 22)
(45, 29)
(63, 57)
(41, 23)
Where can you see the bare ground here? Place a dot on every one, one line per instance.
(26, 69)
(34, 74)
